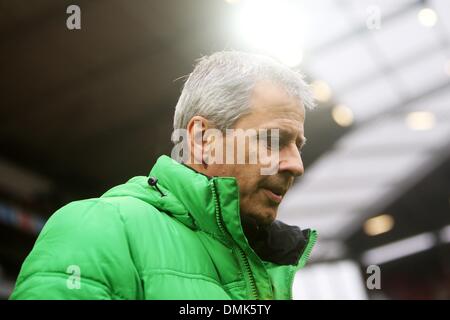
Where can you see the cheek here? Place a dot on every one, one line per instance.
(249, 180)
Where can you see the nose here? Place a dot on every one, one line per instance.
(291, 161)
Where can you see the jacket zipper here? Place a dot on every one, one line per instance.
(242, 256)
(303, 259)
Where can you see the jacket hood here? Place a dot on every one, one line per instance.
(186, 195)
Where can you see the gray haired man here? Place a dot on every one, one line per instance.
(204, 228)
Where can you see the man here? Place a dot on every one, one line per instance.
(201, 229)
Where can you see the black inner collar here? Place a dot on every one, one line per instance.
(278, 242)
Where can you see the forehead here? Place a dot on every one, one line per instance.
(272, 107)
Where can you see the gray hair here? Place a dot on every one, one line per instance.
(220, 86)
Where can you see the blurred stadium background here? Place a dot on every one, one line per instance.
(84, 110)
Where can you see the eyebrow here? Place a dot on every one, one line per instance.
(287, 133)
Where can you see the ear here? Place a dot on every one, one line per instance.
(196, 128)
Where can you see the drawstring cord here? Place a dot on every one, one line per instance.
(153, 181)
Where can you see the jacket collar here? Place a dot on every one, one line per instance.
(206, 203)
(191, 189)
(278, 243)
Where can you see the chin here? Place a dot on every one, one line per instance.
(266, 218)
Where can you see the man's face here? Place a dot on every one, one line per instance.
(260, 195)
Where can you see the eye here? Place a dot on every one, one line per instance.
(265, 141)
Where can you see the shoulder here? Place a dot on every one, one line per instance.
(104, 226)
(104, 212)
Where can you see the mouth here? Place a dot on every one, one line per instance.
(275, 195)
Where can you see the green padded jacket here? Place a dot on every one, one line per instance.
(179, 238)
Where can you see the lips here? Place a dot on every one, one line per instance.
(274, 194)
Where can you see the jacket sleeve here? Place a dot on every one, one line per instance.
(82, 253)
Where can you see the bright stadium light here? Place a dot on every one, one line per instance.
(420, 120)
(342, 115)
(378, 225)
(274, 27)
(427, 17)
(321, 91)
